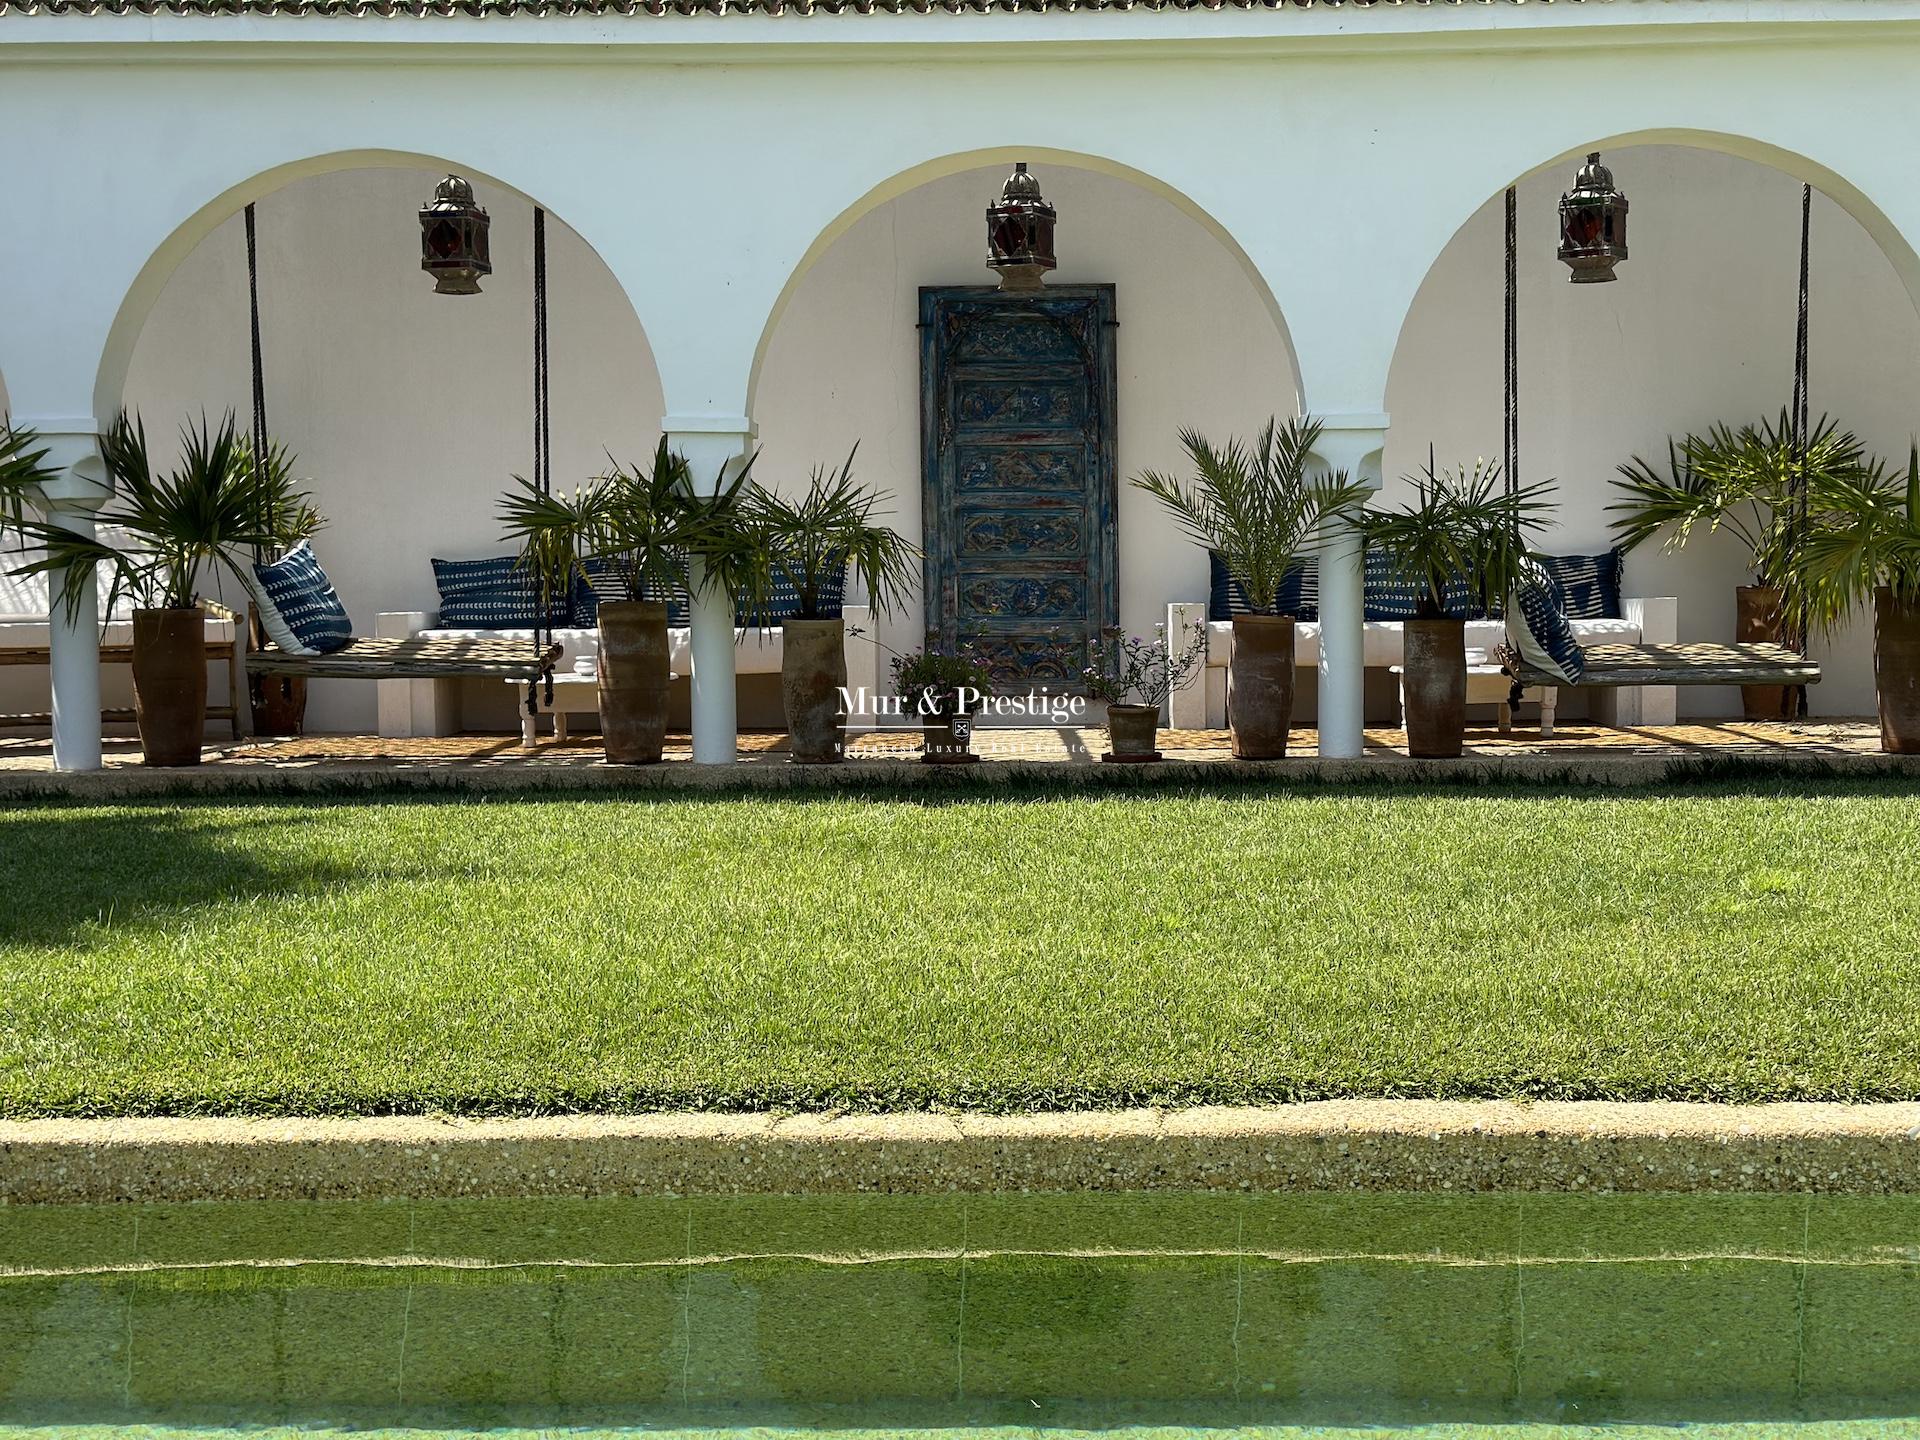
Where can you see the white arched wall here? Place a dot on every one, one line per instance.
(408, 410)
(1699, 328)
(1199, 345)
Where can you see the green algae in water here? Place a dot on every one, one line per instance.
(905, 1313)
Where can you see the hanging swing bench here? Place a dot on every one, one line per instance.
(1592, 241)
(455, 252)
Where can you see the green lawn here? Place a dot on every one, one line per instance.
(524, 956)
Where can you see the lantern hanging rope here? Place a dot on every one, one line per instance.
(1797, 624)
(1510, 415)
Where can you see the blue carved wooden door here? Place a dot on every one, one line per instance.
(1017, 424)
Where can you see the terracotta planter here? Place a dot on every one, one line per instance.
(1896, 671)
(1260, 686)
(279, 704)
(813, 673)
(170, 684)
(1757, 621)
(1433, 687)
(947, 739)
(633, 680)
(1132, 730)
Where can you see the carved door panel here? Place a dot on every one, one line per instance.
(1018, 479)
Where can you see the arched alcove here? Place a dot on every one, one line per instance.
(408, 410)
(1698, 328)
(1199, 342)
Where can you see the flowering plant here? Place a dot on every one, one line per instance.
(936, 681)
(1132, 665)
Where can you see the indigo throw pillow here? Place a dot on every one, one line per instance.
(1388, 597)
(497, 593)
(1298, 596)
(1537, 625)
(603, 583)
(1590, 584)
(784, 602)
(298, 607)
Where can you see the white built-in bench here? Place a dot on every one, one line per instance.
(1650, 621)
(431, 707)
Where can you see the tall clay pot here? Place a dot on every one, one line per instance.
(947, 739)
(633, 680)
(1433, 686)
(1896, 671)
(1757, 621)
(1260, 686)
(1132, 730)
(170, 684)
(813, 675)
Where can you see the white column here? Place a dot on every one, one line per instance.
(715, 445)
(70, 501)
(1351, 442)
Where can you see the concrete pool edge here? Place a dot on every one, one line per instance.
(1380, 1145)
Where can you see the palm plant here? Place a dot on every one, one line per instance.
(171, 528)
(23, 470)
(1462, 529)
(1254, 504)
(831, 528)
(1742, 481)
(639, 523)
(1863, 536)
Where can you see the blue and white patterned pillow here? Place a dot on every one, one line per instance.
(1298, 596)
(784, 602)
(1388, 597)
(603, 583)
(298, 607)
(497, 593)
(1537, 625)
(1590, 584)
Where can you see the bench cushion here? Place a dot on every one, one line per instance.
(1299, 590)
(33, 632)
(1589, 584)
(495, 593)
(1384, 641)
(1537, 626)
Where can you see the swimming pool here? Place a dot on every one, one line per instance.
(894, 1312)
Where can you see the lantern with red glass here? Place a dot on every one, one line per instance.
(1020, 233)
(453, 238)
(1593, 224)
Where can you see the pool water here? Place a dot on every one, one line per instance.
(1740, 1316)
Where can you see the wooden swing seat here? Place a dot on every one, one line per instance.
(414, 657)
(1617, 666)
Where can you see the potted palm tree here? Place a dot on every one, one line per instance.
(809, 544)
(1461, 542)
(1135, 676)
(1863, 541)
(170, 530)
(1743, 482)
(629, 534)
(1255, 506)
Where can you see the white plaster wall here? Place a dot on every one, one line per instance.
(409, 410)
(1698, 328)
(1197, 346)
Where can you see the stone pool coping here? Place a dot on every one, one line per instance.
(1380, 1145)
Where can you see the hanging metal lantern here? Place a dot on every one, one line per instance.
(1020, 233)
(1593, 224)
(453, 238)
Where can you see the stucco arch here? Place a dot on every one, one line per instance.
(1851, 198)
(141, 296)
(1041, 157)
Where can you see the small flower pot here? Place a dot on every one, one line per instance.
(1260, 686)
(813, 675)
(1434, 686)
(1131, 732)
(947, 739)
(170, 684)
(1896, 672)
(633, 681)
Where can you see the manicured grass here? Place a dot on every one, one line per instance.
(1253, 945)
